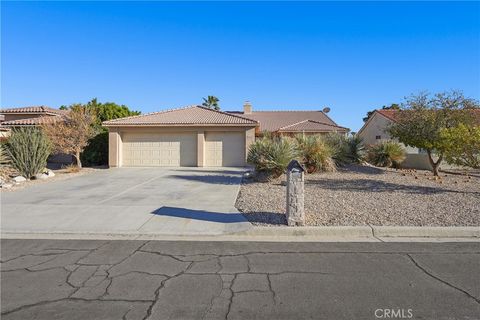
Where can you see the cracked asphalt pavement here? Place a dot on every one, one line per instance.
(90, 279)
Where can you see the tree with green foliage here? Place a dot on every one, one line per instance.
(27, 150)
(96, 151)
(393, 106)
(462, 145)
(211, 102)
(423, 117)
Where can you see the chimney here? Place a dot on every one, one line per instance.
(247, 107)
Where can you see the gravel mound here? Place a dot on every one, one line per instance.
(358, 195)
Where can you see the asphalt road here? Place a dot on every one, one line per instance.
(74, 279)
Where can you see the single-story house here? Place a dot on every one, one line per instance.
(28, 116)
(203, 137)
(32, 116)
(375, 131)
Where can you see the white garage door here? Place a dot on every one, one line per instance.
(224, 149)
(159, 149)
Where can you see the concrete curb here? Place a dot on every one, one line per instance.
(438, 232)
(282, 234)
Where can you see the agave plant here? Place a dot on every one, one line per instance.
(316, 154)
(271, 156)
(386, 154)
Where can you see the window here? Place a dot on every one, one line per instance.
(378, 137)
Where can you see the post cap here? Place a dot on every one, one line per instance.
(295, 166)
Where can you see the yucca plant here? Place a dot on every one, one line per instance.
(356, 149)
(271, 156)
(386, 154)
(28, 149)
(315, 153)
(339, 147)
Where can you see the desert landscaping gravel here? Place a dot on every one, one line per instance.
(358, 195)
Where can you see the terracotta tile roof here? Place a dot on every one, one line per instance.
(31, 121)
(312, 126)
(34, 109)
(389, 114)
(191, 115)
(276, 120)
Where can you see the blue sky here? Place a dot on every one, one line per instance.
(350, 56)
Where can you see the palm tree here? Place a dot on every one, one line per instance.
(211, 102)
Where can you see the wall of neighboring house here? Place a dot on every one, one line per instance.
(375, 132)
(17, 116)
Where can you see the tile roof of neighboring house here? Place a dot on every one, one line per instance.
(191, 115)
(31, 121)
(276, 120)
(34, 109)
(312, 126)
(389, 114)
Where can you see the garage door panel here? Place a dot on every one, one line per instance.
(159, 149)
(224, 149)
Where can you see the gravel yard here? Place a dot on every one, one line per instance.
(358, 195)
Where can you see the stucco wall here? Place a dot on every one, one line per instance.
(377, 126)
(16, 116)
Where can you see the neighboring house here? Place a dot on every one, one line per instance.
(203, 137)
(32, 116)
(375, 131)
(28, 116)
(291, 122)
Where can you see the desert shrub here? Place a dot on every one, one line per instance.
(338, 145)
(386, 154)
(28, 149)
(5, 159)
(96, 152)
(71, 168)
(356, 151)
(315, 153)
(271, 156)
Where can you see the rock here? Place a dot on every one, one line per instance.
(19, 179)
(6, 185)
(41, 176)
(50, 173)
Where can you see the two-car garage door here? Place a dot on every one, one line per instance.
(159, 149)
(221, 148)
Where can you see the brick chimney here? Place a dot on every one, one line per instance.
(247, 107)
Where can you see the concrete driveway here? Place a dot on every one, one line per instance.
(181, 201)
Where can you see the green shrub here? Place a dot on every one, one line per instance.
(4, 156)
(386, 154)
(315, 153)
(28, 149)
(356, 149)
(96, 152)
(338, 145)
(271, 156)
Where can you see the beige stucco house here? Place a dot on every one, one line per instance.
(31, 117)
(199, 136)
(375, 131)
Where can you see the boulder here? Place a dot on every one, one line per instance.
(19, 179)
(6, 185)
(41, 176)
(50, 173)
